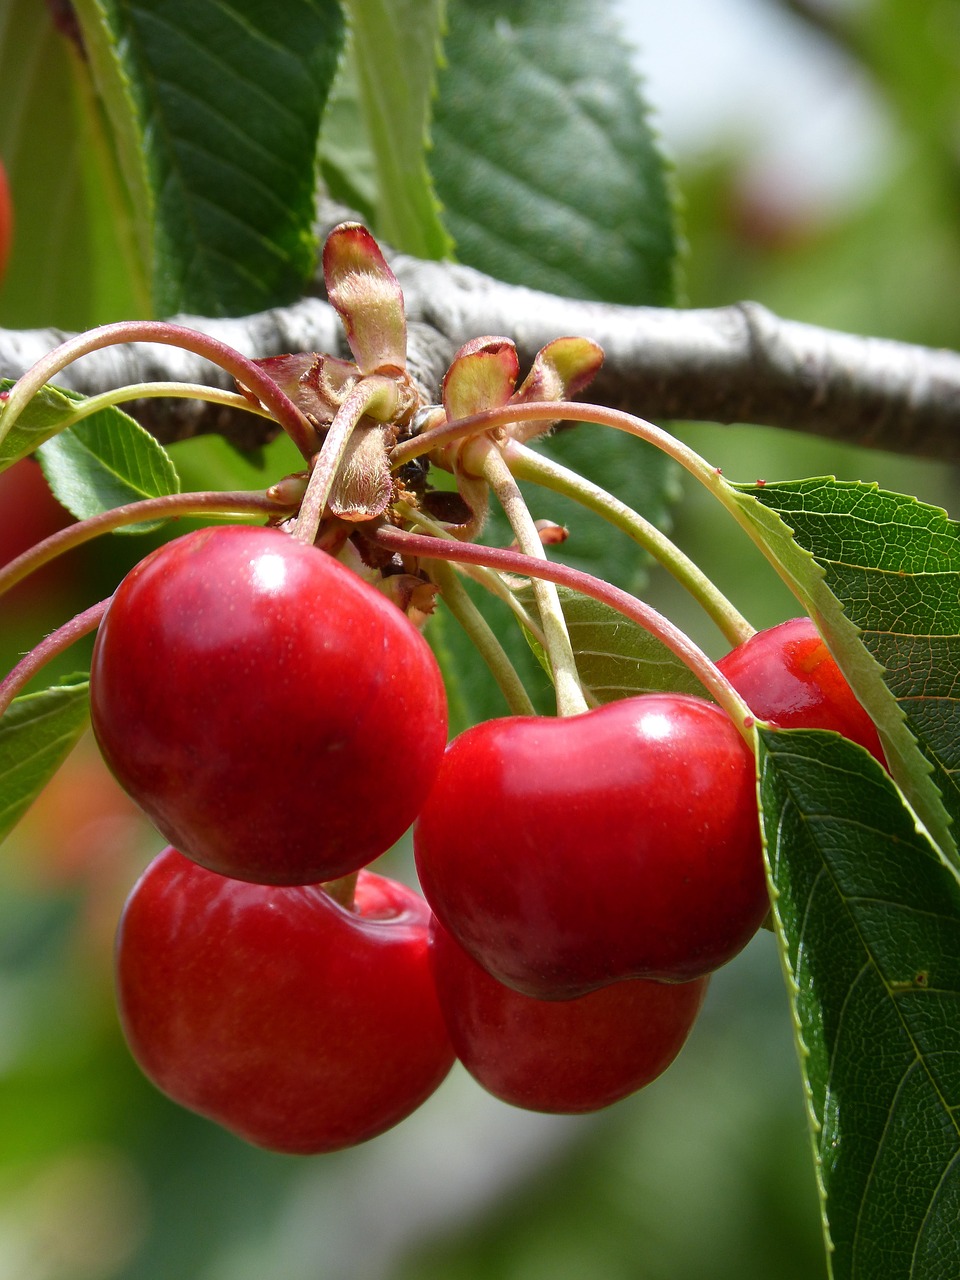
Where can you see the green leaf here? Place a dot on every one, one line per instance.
(37, 733)
(42, 418)
(105, 461)
(216, 110)
(396, 46)
(616, 658)
(71, 265)
(543, 155)
(869, 922)
(880, 574)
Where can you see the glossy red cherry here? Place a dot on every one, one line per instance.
(278, 719)
(296, 1023)
(564, 1056)
(788, 676)
(621, 843)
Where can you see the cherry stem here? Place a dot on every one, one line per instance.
(156, 390)
(527, 464)
(342, 890)
(550, 411)
(373, 395)
(457, 600)
(563, 664)
(563, 575)
(171, 505)
(242, 368)
(57, 642)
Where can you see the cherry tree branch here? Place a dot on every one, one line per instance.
(739, 363)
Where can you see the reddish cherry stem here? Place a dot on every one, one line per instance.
(676, 641)
(173, 505)
(246, 371)
(48, 648)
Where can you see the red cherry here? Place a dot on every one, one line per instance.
(6, 220)
(278, 719)
(621, 843)
(787, 676)
(296, 1023)
(563, 1056)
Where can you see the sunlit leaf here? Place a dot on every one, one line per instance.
(869, 920)
(543, 154)
(37, 733)
(216, 110)
(105, 461)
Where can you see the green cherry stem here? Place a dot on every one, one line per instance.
(156, 390)
(48, 648)
(243, 369)
(171, 506)
(343, 890)
(563, 664)
(377, 396)
(527, 464)
(457, 600)
(563, 575)
(487, 578)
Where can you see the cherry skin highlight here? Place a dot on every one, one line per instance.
(787, 676)
(296, 1023)
(621, 843)
(278, 719)
(560, 1056)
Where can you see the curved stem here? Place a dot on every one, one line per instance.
(553, 411)
(171, 505)
(245, 370)
(563, 664)
(664, 630)
(158, 390)
(370, 394)
(47, 649)
(489, 579)
(527, 464)
(458, 601)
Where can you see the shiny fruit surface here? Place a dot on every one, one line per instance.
(788, 676)
(298, 1024)
(277, 718)
(562, 1056)
(621, 843)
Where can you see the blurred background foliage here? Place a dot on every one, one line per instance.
(706, 1174)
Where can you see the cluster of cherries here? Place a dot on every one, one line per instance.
(283, 724)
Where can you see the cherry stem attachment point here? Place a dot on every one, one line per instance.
(374, 394)
(47, 649)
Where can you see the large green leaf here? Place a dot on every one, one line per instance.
(869, 921)
(71, 265)
(396, 47)
(37, 733)
(216, 110)
(544, 157)
(105, 461)
(880, 573)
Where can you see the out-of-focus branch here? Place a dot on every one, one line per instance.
(739, 363)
